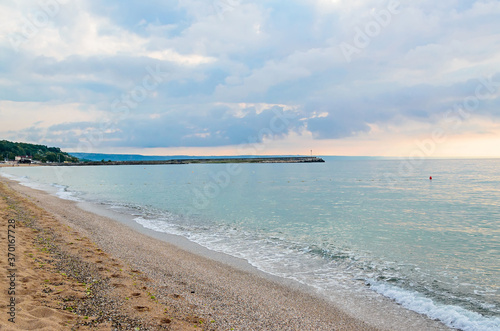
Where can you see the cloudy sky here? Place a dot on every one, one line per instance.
(207, 77)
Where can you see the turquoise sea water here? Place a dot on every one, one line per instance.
(431, 245)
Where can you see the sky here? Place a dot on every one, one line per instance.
(234, 77)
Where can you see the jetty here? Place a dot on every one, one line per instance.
(291, 159)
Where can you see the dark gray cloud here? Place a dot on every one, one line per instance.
(214, 127)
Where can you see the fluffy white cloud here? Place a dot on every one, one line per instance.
(409, 63)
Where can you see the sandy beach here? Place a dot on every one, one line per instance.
(78, 270)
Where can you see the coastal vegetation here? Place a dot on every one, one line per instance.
(9, 150)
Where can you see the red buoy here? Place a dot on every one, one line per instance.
(430, 177)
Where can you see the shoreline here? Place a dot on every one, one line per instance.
(206, 288)
(294, 159)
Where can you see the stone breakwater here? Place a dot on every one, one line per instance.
(189, 161)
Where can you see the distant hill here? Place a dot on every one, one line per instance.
(123, 157)
(137, 157)
(9, 150)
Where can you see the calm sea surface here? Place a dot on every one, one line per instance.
(431, 245)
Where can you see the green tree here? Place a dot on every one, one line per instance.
(38, 152)
(51, 156)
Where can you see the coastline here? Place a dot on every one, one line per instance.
(292, 159)
(195, 290)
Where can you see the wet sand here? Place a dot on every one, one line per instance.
(76, 269)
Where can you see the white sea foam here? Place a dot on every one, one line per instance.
(156, 225)
(6, 175)
(452, 316)
(273, 255)
(25, 181)
(60, 191)
(64, 194)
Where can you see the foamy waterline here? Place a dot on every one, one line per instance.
(452, 316)
(61, 191)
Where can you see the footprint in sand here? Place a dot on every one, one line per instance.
(41, 312)
(42, 318)
(166, 321)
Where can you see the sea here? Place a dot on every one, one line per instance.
(358, 224)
